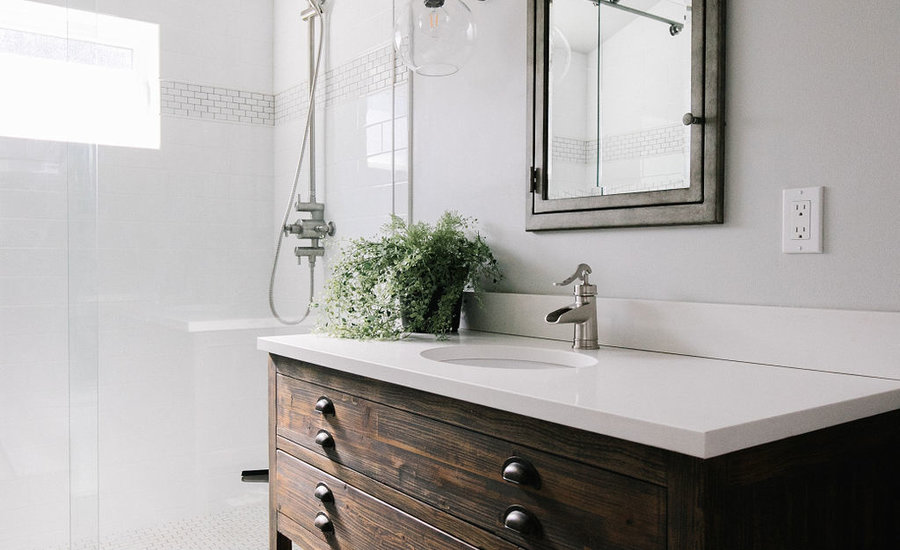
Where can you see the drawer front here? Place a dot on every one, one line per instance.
(559, 503)
(324, 512)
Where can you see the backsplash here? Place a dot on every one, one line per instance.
(862, 343)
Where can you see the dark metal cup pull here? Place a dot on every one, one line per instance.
(325, 406)
(323, 523)
(323, 493)
(325, 439)
(519, 471)
(520, 520)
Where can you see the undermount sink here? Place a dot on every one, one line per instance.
(508, 357)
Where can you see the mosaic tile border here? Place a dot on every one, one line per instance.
(656, 141)
(574, 150)
(368, 73)
(214, 103)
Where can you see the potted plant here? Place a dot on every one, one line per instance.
(409, 278)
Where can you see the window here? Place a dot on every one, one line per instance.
(71, 75)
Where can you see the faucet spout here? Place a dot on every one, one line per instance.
(573, 313)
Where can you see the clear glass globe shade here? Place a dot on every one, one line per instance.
(434, 37)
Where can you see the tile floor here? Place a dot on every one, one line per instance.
(244, 528)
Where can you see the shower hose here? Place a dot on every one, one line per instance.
(309, 110)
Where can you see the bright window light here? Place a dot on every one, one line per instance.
(77, 76)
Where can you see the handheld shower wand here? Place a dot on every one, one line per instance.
(314, 228)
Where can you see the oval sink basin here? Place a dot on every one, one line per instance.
(508, 357)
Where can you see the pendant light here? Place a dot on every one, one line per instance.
(434, 37)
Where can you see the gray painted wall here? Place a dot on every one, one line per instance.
(813, 98)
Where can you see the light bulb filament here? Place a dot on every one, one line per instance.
(434, 19)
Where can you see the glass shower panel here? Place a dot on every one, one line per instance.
(34, 414)
(83, 342)
(48, 482)
(48, 305)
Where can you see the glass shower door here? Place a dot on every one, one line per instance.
(48, 302)
(48, 344)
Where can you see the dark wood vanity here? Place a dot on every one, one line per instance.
(361, 464)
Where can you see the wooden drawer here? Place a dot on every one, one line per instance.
(569, 504)
(356, 520)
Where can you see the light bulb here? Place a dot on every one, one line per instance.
(434, 37)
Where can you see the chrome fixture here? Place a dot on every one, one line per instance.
(434, 37)
(674, 26)
(314, 228)
(583, 313)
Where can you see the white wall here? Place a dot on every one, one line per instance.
(811, 100)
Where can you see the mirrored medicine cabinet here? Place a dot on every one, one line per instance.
(626, 114)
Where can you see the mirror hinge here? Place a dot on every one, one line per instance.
(535, 179)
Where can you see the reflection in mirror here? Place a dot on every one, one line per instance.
(619, 83)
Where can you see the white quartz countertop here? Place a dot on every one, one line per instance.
(700, 407)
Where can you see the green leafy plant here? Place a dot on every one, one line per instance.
(409, 278)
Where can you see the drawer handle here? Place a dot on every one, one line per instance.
(325, 439)
(325, 406)
(521, 472)
(323, 523)
(520, 520)
(323, 493)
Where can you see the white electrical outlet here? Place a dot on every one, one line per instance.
(802, 221)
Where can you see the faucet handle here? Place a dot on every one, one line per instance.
(581, 272)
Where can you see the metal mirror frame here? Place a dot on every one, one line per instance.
(701, 203)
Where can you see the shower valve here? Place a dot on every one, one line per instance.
(309, 229)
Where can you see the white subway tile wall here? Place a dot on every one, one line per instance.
(185, 231)
(361, 159)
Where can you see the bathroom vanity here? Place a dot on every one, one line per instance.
(502, 442)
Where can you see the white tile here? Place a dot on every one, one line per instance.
(32, 262)
(33, 290)
(375, 108)
(375, 170)
(374, 139)
(33, 234)
(401, 133)
(22, 204)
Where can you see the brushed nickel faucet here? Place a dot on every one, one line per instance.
(583, 313)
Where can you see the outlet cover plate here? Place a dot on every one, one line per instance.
(801, 231)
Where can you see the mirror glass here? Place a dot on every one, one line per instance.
(619, 84)
(625, 113)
